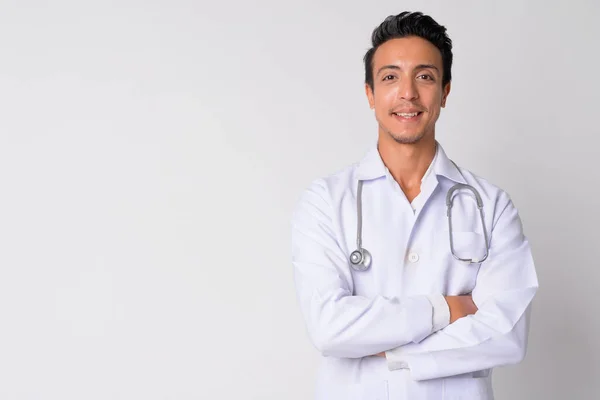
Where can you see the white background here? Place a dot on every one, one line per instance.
(151, 153)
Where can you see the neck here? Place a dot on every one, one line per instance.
(407, 162)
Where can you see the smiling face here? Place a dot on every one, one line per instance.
(407, 91)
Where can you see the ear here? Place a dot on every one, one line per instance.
(369, 93)
(445, 94)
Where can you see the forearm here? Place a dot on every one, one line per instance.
(353, 326)
(494, 336)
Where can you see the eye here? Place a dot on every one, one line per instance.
(426, 77)
(385, 78)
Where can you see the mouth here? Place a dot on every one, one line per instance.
(408, 117)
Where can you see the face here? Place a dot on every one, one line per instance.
(407, 92)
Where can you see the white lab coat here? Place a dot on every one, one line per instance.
(394, 305)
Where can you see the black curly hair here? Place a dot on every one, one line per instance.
(408, 24)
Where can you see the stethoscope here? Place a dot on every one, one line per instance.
(360, 259)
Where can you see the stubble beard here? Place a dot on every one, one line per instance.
(406, 139)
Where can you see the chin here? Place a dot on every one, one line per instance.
(407, 138)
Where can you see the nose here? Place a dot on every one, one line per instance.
(407, 89)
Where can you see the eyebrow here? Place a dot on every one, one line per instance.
(420, 66)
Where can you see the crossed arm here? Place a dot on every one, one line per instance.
(344, 325)
(458, 306)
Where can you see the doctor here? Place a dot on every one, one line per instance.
(410, 320)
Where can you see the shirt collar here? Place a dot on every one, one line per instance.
(372, 166)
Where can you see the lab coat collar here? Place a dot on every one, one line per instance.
(372, 166)
(445, 167)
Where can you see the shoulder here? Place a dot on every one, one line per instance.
(320, 194)
(493, 196)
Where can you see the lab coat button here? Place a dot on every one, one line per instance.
(413, 257)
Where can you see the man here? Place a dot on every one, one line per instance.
(386, 299)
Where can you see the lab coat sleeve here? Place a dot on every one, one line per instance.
(496, 334)
(339, 323)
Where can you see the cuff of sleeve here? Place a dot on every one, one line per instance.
(441, 312)
(396, 359)
(422, 366)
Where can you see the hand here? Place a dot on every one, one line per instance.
(460, 306)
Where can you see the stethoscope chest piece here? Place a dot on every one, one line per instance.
(360, 259)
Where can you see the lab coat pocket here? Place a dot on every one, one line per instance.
(464, 387)
(458, 276)
(377, 390)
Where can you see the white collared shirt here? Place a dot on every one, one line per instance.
(424, 180)
(397, 305)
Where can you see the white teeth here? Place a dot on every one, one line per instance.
(407, 115)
